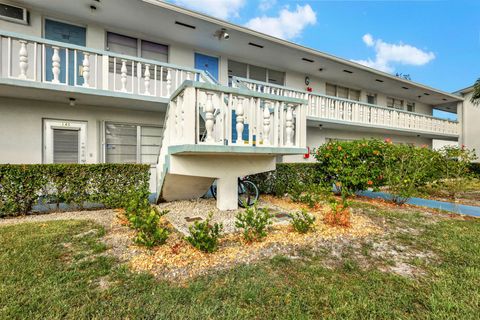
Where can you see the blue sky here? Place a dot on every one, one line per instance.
(436, 42)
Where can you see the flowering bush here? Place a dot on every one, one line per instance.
(352, 165)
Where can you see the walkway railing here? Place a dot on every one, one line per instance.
(323, 107)
(41, 60)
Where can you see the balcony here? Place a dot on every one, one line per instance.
(32, 62)
(339, 112)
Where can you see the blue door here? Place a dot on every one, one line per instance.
(63, 32)
(207, 63)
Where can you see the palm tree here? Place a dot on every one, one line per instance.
(476, 92)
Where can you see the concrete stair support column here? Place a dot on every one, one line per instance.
(227, 193)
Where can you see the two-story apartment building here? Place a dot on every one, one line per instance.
(198, 98)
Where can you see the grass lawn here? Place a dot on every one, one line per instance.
(52, 270)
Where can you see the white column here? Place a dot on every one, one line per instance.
(209, 118)
(86, 69)
(147, 79)
(239, 112)
(23, 60)
(227, 193)
(266, 124)
(56, 65)
(123, 76)
(289, 126)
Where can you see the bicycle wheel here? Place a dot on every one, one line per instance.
(247, 193)
(213, 190)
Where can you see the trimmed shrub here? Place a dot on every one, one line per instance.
(204, 236)
(254, 223)
(286, 177)
(302, 221)
(113, 185)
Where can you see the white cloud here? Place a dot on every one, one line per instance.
(387, 54)
(265, 5)
(287, 25)
(222, 9)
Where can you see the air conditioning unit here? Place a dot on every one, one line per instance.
(14, 14)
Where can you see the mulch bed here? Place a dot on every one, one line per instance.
(177, 259)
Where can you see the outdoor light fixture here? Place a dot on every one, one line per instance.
(222, 34)
(72, 102)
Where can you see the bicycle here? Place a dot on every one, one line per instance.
(248, 192)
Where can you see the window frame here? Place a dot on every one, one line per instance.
(138, 146)
(348, 89)
(402, 106)
(267, 73)
(139, 44)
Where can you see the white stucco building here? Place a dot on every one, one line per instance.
(144, 81)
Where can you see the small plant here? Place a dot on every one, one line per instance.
(254, 223)
(145, 219)
(204, 236)
(339, 213)
(302, 222)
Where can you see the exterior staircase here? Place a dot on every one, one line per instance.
(214, 132)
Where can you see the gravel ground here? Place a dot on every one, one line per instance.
(181, 213)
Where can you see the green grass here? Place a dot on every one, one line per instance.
(46, 272)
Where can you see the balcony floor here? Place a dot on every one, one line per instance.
(25, 89)
(204, 149)
(359, 127)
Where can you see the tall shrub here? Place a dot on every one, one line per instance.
(286, 177)
(351, 165)
(113, 185)
(455, 166)
(406, 168)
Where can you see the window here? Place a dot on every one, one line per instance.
(154, 51)
(129, 143)
(130, 46)
(394, 103)
(342, 92)
(411, 106)
(122, 44)
(244, 70)
(372, 98)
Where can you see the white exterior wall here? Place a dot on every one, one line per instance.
(21, 130)
(183, 55)
(316, 137)
(470, 118)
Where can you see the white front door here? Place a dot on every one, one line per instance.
(64, 141)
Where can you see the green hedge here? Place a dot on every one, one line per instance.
(113, 185)
(475, 168)
(280, 181)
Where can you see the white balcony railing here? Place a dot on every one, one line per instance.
(323, 107)
(40, 60)
(202, 113)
